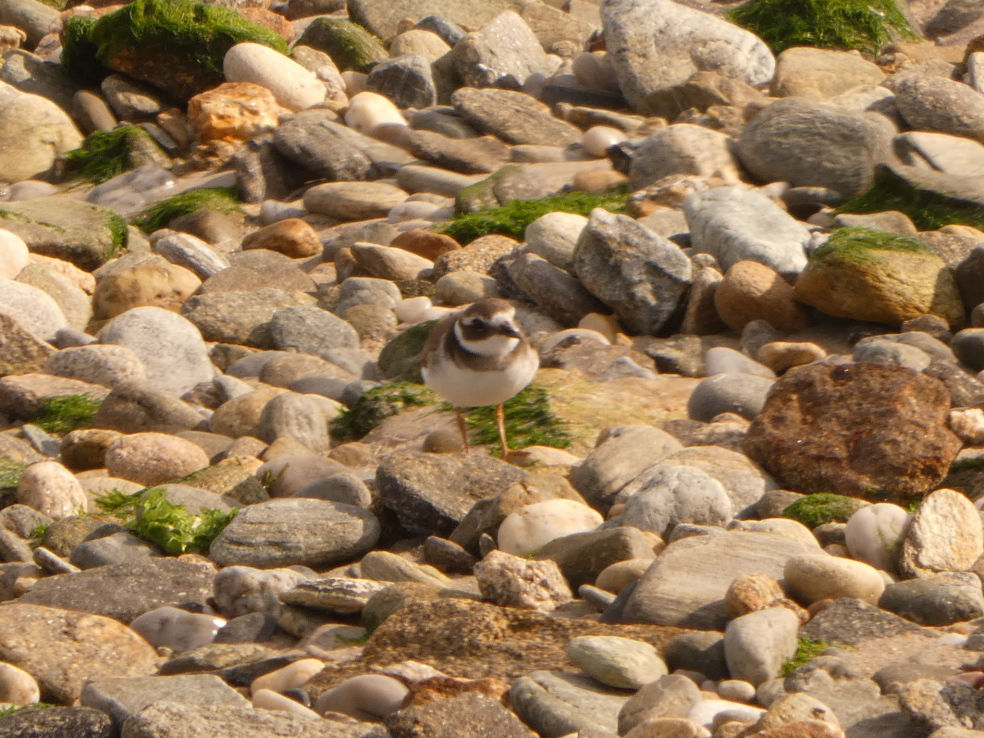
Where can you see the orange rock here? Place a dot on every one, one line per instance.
(425, 243)
(233, 111)
(292, 237)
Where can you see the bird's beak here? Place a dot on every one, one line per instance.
(509, 330)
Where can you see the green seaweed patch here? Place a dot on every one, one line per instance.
(807, 649)
(66, 413)
(8, 710)
(529, 422)
(865, 25)
(119, 232)
(10, 472)
(513, 218)
(150, 515)
(378, 404)
(192, 31)
(348, 44)
(928, 209)
(975, 464)
(856, 244)
(105, 154)
(820, 508)
(39, 530)
(79, 56)
(222, 199)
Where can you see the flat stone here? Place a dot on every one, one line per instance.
(61, 648)
(514, 117)
(122, 697)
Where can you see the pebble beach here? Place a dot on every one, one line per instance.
(749, 498)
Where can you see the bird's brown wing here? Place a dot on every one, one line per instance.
(435, 339)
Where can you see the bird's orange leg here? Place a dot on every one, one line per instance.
(500, 422)
(463, 427)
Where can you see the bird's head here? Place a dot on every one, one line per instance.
(488, 328)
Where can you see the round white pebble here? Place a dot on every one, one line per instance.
(531, 527)
(597, 139)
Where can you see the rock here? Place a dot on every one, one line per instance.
(665, 496)
(430, 494)
(153, 458)
(756, 645)
(135, 407)
(124, 697)
(668, 696)
(847, 278)
(874, 535)
(226, 719)
(239, 590)
(103, 364)
(369, 110)
(583, 556)
(285, 532)
(859, 404)
(294, 86)
(189, 251)
(656, 44)
(370, 695)
(528, 529)
(61, 649)
(617, 662)
(554, 236)
(291, 237)
(32, 309)
(35, 132)
(686, 585)
(292, 676)
(809, 143)
(146, 281)
(51, 489)
(936, 599)
(512, 581)
(558, 704)
(736, 224)
(385, 262)
(820, 74)
(348, 44)
(752, 291)
(17, 687)
(514, 117)
(353, 200)
(83, 722)
(640, 275)
(124, 591)
(169, 346)
(943, 536)
(682, 149)
(446, 717)
(932, 103)
(240, 317)
(618, 459)
(814, 577)
(14, 255)
(406, 80)
(334, 594)
(177, 629)
(73, 301)
(503, 48)
(743, 394)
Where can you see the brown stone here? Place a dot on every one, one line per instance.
(425, 243)
(85, 448)
(61, 649)
(20, 351)
(292, 237)
(752, 291)
(853, 428)
(21, 395)
(233, 111)
(478, 256)
(151, 282)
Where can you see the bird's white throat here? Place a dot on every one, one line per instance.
(494, 345)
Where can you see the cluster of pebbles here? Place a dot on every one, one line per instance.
(712, 365)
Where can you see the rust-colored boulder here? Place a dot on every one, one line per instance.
(855, 428)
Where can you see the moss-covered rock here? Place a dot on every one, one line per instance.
(400, 358)
(221, 199)
(348, 44)
(866, 25)
(931, 200)
(823, 507)
(104, 154)
(511, 219)
(175, 45)
(79, 57)
(880, 277)
(67, 228)
(378, 404)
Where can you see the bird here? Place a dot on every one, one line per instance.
(479, 357)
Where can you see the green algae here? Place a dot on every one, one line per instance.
(859, 245)
(378, 404)
(821, 507)
(348, 44)
(64, 414)
(513, 218)
(221, 199)
(927, 209)
(865, 25)
(529, 422)
(105, 154)
(807, 649)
